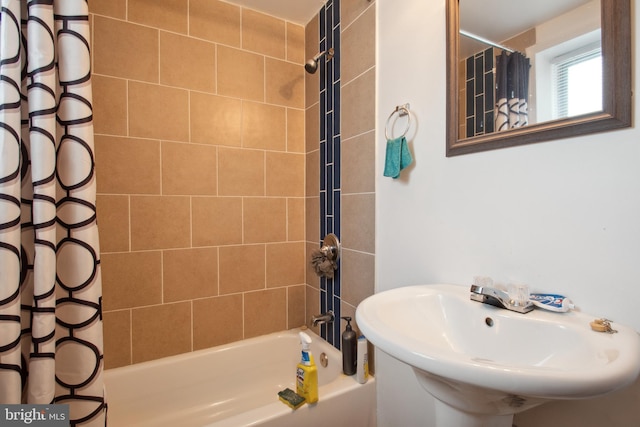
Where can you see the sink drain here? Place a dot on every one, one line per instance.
(488, 321)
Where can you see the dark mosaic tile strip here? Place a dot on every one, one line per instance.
(330, 177)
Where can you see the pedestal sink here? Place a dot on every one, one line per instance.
(483, 364)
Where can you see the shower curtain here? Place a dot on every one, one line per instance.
(51, 348)
(512, 91)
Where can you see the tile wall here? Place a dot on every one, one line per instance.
(199, 109)
(356, 161)
(358, 82)
(479, 84)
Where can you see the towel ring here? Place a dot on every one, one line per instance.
(401, 110)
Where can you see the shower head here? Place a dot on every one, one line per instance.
(312, 65)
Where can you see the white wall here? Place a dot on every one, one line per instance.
(562, 216)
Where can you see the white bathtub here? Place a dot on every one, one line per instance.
(237, 385)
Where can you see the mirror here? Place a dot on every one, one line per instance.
(601, 26)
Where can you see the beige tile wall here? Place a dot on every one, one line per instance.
(358, 73)
(199, 110)
(357, 56)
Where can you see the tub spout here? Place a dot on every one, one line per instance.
(327, 317)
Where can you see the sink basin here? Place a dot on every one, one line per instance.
(484, 360)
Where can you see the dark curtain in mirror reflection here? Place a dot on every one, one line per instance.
(512, 91)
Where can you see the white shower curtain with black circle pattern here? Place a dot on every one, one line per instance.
(51, 347)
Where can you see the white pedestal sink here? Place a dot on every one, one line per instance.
(484, 364)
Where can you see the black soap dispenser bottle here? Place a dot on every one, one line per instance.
(349, 342)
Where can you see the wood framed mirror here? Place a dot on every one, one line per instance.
(616, 101)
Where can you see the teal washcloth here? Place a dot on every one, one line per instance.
(398, 157)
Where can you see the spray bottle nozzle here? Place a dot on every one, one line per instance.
(305, 340)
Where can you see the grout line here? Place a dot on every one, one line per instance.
(243, 325)
(131, 335)
(218, 271)
(216, 72)
(286, 129)
(162, 301)
(188, 18)
(191, 221)
(217, 165)
(128, 121)
(373, 131)
(264, 79)
(189, 136)
(286, 41)
(240, 25)
(192, 322)
(373, 67)
(286, 308)
(354, 20)
(159, 52)
(129, 224)
(242, 219)
(160, 169)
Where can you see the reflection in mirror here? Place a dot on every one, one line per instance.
(544, 64)
(528, 70)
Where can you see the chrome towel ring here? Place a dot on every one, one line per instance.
(401, 110)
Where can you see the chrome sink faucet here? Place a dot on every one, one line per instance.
(327, 317)
(498, 298)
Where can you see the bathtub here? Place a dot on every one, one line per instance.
(237, 385)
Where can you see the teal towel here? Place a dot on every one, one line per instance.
(398, 157)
